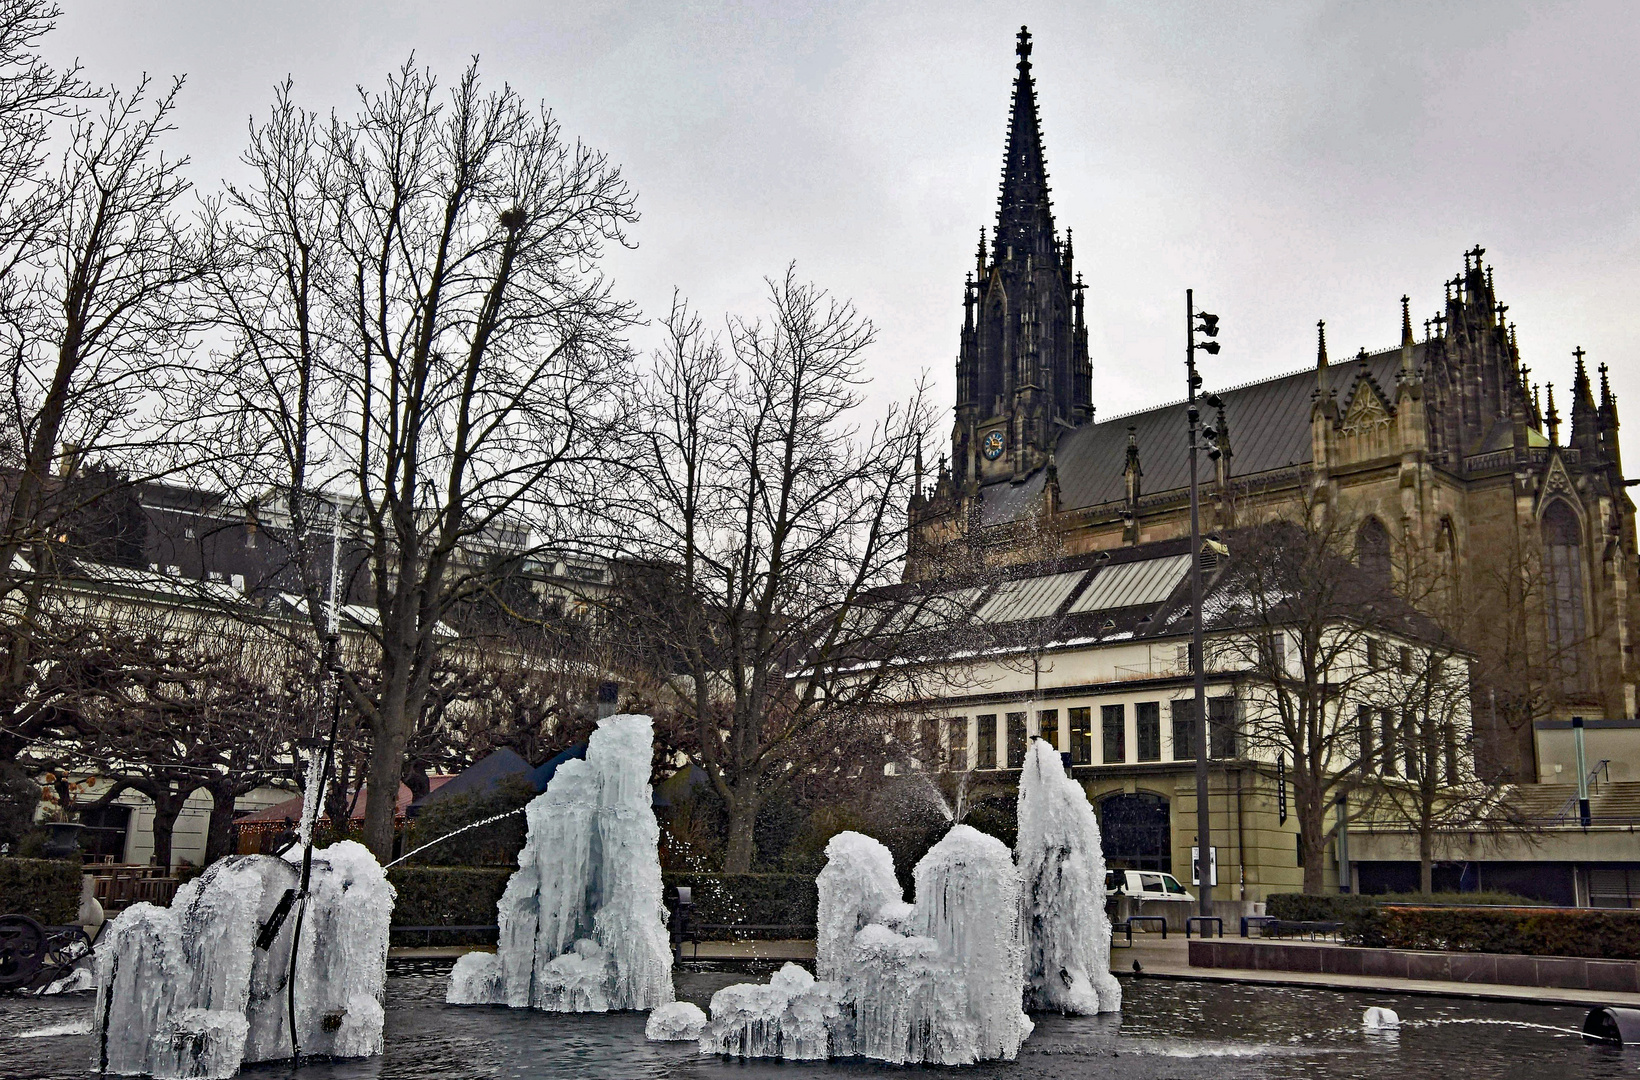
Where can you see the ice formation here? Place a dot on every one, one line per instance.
(676, 1021)
(1062, 905)
(855, 884)
(936, 982)
(583, 928)
(792, 1016)
(198, 988)
(1378, 1018)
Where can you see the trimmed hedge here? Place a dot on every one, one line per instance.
(447, 895)
(467, 895)
(1597, 934)
(47, 890)
(1339, 907)
(753, 899)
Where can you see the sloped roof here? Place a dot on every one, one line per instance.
(1269, 424)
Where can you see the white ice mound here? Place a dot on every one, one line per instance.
(1062, 905)
(937, 982)
(1380, 1019)
(792, 1016)
(583, 928)
(197, 989)
(676, 1021)
(857, 881)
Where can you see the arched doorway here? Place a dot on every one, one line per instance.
(1136, 832)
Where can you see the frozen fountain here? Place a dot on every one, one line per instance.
(582, 925)
(1062, 907)
(937, 982)
(197, 989)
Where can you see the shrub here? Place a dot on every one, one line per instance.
(754, 899)
(447, 895)
(492, 845)
(1600, 934)
(47, 890)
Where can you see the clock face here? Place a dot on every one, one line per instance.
(993, 445)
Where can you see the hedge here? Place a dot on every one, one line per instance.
(1339, 907)
(1598, 934)
(752, 899)
(44, 889)
(467, 895)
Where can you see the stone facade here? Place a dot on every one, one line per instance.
(1441, 457)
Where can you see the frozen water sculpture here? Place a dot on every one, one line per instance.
(1062, 905)
(792, 1016)
(676, 1021)
(855, 884)
(583, 928)
(938, 982)
(198, 988)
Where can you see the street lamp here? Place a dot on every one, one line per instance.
(1208, 326)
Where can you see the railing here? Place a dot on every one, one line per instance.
(120, 886)
(1498, 459)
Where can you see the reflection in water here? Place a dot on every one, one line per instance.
(1167, 1028)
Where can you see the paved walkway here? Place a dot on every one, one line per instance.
(1170, 959)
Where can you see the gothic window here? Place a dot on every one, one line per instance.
(1372, 551)
(1446, 561)
(1563, 586)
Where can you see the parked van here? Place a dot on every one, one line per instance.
(1145, 885)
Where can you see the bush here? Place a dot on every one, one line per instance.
(1599, 934)
(754, 899)
(1307, 907)
(447, 895)
(493, 845)
(47, 890)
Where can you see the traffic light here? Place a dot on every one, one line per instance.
(1210, 324)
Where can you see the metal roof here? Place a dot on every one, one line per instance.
(1029, 598)
(1132, 584)
(1269, 425)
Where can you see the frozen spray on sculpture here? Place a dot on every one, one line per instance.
(937, 982)
(201, 987)
(583, 928)
(1062, 902)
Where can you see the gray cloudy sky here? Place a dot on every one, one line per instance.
(1289, 161)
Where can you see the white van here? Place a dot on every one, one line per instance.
(1145, 885)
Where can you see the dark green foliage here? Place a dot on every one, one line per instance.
(750, 899)
(1600, 934)
(1468, 922)
(779, 822)
(467, 896)
(47, 890)
(19, 795)
(997, 815)
(447, 895)
(493, 845)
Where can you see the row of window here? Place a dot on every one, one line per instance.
(1396, 743)
(1001, 739)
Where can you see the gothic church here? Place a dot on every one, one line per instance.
(1439, 453)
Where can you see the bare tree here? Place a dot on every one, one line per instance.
(97, 312)
(774, 521)
(425, 340)
(1307, 627)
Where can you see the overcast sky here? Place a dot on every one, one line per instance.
(1289, 161)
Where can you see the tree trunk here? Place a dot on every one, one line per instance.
(1312, 820)
(390, 735)
(167, 807)
(219, 835)
(1426, 862)
(737, 856)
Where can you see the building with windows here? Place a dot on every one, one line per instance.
(1451, 464)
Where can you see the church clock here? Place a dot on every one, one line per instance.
(993, 445)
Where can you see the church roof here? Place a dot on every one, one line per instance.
(1268, 422)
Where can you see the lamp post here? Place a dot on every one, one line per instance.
(1209, 328)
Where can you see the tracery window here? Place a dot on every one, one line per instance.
(1563, 588)
(1372, 553)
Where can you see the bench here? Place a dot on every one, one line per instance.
(1313, 928)
(691, 931)
(1260, 921)
(1200, 922)
(1160, 920)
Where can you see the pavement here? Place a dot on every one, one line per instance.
(1157, 959)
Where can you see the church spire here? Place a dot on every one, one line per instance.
(1024, 219)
